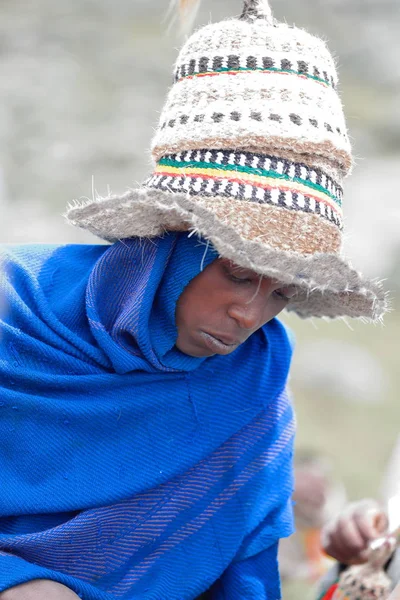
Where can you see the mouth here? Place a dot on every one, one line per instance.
(217, 344)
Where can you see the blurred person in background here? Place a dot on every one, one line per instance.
(347, 539)
(318, 498)
(147, 437)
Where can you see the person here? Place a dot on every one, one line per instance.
(348, 537)
(318, 497)
(146, 434)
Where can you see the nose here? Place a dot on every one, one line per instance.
(248, 316)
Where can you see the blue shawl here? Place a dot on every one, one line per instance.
(128, 469)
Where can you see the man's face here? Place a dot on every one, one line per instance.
(223, 306)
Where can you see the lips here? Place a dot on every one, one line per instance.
(225, 340)
(219, 344)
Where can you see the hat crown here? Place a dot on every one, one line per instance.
(244, 83)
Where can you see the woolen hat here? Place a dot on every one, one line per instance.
(251, 153)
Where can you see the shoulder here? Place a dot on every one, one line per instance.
(32, 261)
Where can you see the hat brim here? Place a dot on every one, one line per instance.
(328, 285)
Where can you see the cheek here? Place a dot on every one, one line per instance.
(198, 307)
(272, 308)
(189, 306)
(275, 307)
(182, 312)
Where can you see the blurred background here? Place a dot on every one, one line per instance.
(82, 84)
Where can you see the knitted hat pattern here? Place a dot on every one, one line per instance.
(251, 153)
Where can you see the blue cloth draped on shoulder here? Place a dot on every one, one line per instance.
(128, 469)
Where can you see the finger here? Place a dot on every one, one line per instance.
(331, 542)
(349, 535)
(334, 545)
(361, 558)
(382, 523)
(371, 524)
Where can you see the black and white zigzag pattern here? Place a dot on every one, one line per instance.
(214, 64)
(194, 118)
(198, 186)
(269, 163)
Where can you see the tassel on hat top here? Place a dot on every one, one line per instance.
(252, 9)
(251, 152)
(257, 9)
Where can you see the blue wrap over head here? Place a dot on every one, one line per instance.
(132, 296)
(105, 424)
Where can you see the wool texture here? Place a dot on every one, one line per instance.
(327, 285)
(253, 119)
(252, 177)
(368, 581)
(227, 71)
(257, 9)
(329, 583)
(131, 470)
(361, 584)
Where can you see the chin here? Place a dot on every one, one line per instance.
(195, 353)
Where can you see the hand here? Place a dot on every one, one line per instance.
(38, 590)
(348, 537)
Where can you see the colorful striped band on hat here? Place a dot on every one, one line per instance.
(251, 177)
(233, 64)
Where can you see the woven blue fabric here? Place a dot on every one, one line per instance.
(130, 470)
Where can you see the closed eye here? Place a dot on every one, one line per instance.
(286, 293)
(245, 279)
(281, 295)
(240, 280)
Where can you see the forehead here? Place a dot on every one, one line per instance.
(234, 267)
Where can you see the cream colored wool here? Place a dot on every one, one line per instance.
(328, 286)
(368, 581)
(369, 585)
(255, 86)
(269, 93)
